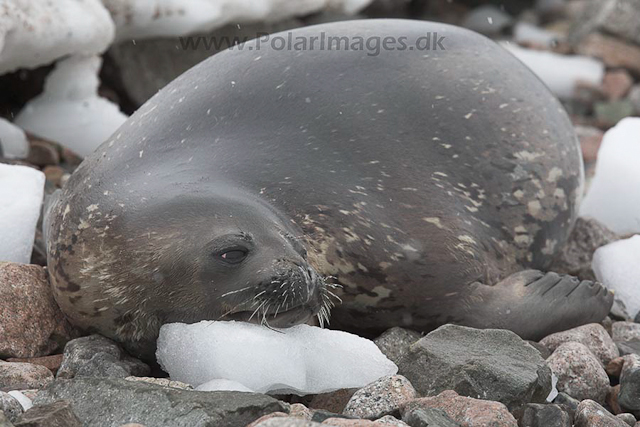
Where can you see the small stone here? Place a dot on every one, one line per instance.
(567, 403)
(334, 401)
(56, 414)
(614, 52)
(42, 153)
(587, 234)
(616, 84)
(10, 406)
(627, 418)
(590, 139)
(579, 372)
(31, 324)
(629, 396)
(609, 113)
(52, 362)
(591, 414)
(541, 415)
(466, 411)
(380, 398)
(16, 376)
(97, 356)
(427, 417)
(395, 342)
(625, 331)
(593, 335)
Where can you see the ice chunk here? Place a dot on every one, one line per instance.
(561, 73)
(13, 141)
(614, 195)
(22, 399)
(137, 19)
(223, 385)
(617, 266)
(21, 190)
(300, 360)
(37, 32)
(70, 112)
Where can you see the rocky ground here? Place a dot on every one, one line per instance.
(453, 376)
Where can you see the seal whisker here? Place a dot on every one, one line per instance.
(234, 292)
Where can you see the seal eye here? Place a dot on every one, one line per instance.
(233, 256)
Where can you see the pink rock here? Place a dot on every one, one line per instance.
(380, 398)
(31, 324)
(593, 335)
(18, 376)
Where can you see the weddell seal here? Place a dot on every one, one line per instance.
(433, 185)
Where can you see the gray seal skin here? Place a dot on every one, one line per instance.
(434, 186)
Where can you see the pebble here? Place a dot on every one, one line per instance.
(492, 364)
(629, 396)
(591, 414)
(31, 324)
(466, 411)
(593, 335)
(54, 414)
(395, 342)
(380, 398)
(579, 372)
(16, 376)
(10, 406)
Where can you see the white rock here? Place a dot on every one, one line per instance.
(13, 141)
(137, 19)
(617, 266)
(300, 360)
(24, 400)
(37, 32)
(223, 385)
(69, 111)
(614, 195)
(561, 73)
(21, 190)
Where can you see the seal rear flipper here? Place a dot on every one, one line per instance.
(534, 304)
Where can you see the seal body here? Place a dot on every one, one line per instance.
(434, 185)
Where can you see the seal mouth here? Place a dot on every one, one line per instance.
(283, 319)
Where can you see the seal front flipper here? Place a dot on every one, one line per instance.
(534, 304)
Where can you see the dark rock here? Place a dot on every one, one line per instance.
(55, 414)
(380, 398)
(334, 401)
(428, 417)
(544, 351)
(320, 416)
(495, 364)
(627, 418)
(567, 402)
(10, 406)
(629, 347)
(629, 396)
(587, 236)
(591, 414)
(540, 415)
(395, 342)
(580, 374)
(116, 401)
(17, 376)
(97, 356)
(593, 335)
(31, 324)
(466, 411)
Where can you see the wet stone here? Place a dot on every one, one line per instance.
(380, 398)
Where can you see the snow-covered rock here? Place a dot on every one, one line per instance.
(21, 190)
(302, 360)
(614, 195)
(13, 141)
(561, 73)
(37, 32)
(69, 111)
(617, 266)
(137, 19)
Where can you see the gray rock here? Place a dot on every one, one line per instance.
(380, 398)
(627, 418)
(576, 255)
(544, 351)
(55, 414)
(580, 374)
(428, 417)
(593, 335)
(629, 396)
(320, 416)
(629, 347)
(4, 422)
(539, 415)
(493, 364)
(391, 421)
(619, 310)
(591, 414)
(288, 422)
(18, 376)
(567, 402)
(395, 342)
(625, 331)
(10, 406)
(97, 356)
(115, 401)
